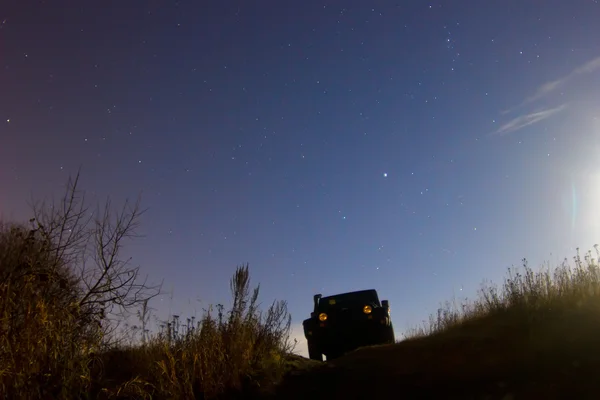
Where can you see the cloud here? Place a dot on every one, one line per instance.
(544, 90)
(528, 119)
(549, 87)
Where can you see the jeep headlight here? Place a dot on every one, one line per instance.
(323, 317)
(367, 309)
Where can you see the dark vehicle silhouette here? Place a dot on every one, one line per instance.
(346, 321)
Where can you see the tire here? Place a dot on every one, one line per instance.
(388, 335)
(313, 351)
(385, 335)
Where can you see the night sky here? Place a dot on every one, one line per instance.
(413, 147)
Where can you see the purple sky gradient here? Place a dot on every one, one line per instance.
(413, 147)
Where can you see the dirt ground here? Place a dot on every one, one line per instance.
(452, 368)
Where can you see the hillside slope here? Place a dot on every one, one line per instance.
(553, 354)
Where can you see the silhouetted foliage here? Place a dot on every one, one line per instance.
(90, 243)
(59, 279)
(525, 293)
(240, 351)
(62, 277)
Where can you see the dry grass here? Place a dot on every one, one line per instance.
(526, 295)
(241, 352)
(536, 337)
(50, 348)
(42, 330)
(53, 339)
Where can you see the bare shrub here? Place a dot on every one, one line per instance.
(60, 277)
(42, 334)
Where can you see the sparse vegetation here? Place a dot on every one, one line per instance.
(526, 294)
(64, 290)
(239, 352)
(535, 337)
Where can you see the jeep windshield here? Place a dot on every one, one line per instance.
(350, 300)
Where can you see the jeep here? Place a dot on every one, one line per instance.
(346, 321)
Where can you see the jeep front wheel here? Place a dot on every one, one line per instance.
(313, 351)
(388, 335)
